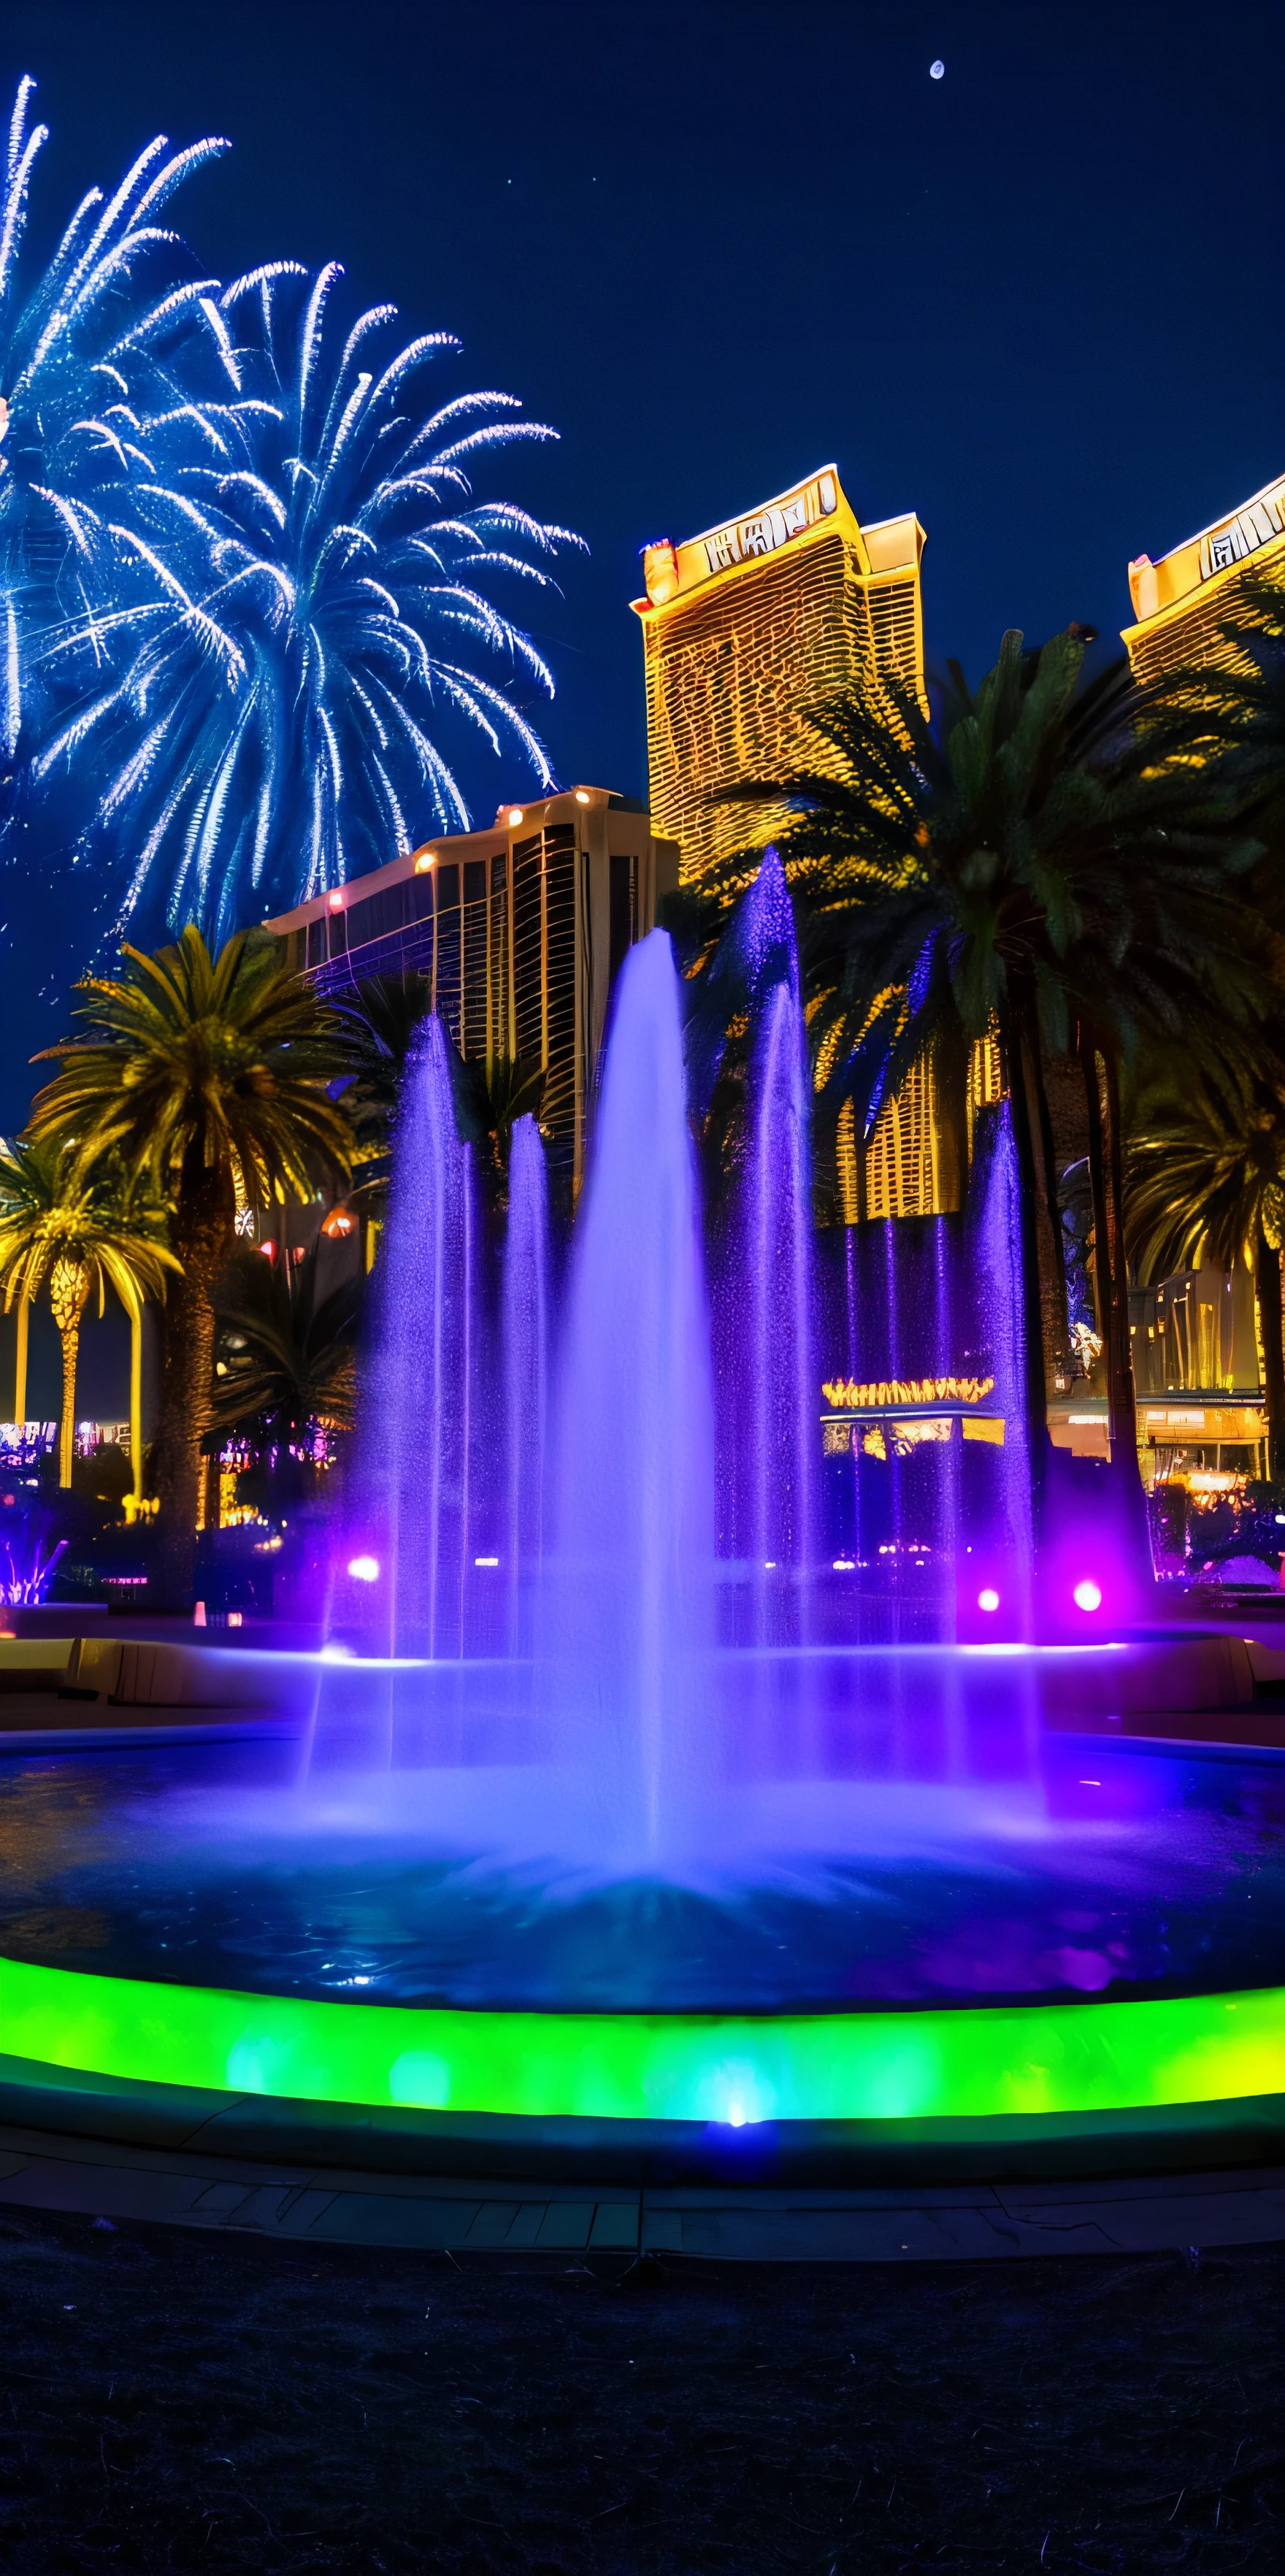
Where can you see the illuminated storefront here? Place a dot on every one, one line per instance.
(892, 1417)
(1180, 602)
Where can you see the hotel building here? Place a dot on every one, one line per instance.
(519, 930)
(1180, 602)
(747, 628)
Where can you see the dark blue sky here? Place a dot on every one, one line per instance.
(1039, 301)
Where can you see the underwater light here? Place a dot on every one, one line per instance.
(364, 1569)
(988, 1598)
(486, 1560)
(736, 2070)
(1087, 1595)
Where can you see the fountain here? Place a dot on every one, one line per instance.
(605, 1833)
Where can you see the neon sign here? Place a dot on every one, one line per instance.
(882, 1394)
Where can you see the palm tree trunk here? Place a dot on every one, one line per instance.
(136, 1401)
(202, 1237)
(20, 1367)
(1110, 1268)
(950, 1058)
(1032, 1316)
(1055, 1329)
(67, 1427)
(1267, 1283)
(1102, 1283)
(1124, 1404)
(826, 1194)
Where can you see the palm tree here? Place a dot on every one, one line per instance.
(285, 1358)
(380, 1024)
(376, 1031)
(197, 1072)
(70, 1232)
(1206, 1182)
(1025, 865)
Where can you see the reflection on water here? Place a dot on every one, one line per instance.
(1124, 1871)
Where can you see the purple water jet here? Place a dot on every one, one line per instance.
(525, 1325)
(411, 1520)
(629, 1602)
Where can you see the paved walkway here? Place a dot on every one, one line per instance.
(965, 2221)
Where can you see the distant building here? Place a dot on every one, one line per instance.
(520, 931)
(1195, 1339)
(1179, 602)
(748, 627)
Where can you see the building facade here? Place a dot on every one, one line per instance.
(748, 627)
(520, 932)
(1180, 602)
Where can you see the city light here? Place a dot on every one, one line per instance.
(1087, 1595)
(364, 1569)
(582, 795)
(851, 1397)
(426, 860)
(515, 815)
(988, 1598)
(336, 903)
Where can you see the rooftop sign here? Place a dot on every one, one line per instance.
(669, 569)
(1244, 532)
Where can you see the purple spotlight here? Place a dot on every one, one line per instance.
(1087, 1595)
(988, 1599)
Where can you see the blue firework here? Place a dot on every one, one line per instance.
(70, 444)
(307, 617)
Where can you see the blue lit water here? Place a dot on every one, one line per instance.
(1130, 1872)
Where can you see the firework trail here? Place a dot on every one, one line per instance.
(252, 608)
(70, 444)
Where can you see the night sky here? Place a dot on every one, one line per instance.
(1038, 300)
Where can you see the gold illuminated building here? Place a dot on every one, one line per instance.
(1180, 602)
(519, 933)
(747, 628)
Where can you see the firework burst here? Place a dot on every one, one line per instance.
(70, 443)
(307, 612)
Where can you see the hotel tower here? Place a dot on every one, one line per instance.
(1180, 602)
(519, 933)
(750, 626)
(745, 630)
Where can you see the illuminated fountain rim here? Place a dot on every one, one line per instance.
(1040, 2063)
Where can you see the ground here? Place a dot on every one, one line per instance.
(169, 2401)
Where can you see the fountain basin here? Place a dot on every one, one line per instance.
(1077, 1961)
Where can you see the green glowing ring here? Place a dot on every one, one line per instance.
(971, 2063)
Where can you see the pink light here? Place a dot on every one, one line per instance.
(988, 1599)
(1087, 1595)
